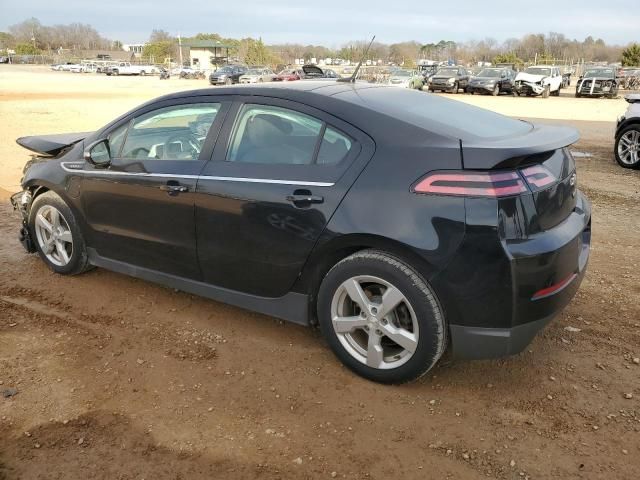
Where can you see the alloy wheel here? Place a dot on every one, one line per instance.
(374, 322)
(54, 235)
(629, 147)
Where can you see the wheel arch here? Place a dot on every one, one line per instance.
(325, 256)
(627, 123)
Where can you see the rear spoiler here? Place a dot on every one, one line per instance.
(513, 151)
(51, 144)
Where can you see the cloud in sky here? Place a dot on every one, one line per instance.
(333, 22)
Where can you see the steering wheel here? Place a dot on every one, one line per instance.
(186, 140)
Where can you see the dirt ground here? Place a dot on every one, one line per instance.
(117, 378)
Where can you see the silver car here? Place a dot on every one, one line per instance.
(258, 75)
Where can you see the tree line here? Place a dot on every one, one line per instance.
(33, 37)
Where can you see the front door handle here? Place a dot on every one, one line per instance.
(304, 198)
(174, 188)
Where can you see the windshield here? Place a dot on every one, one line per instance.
(401, 73)
(254, 71)
(600, 72)
(287, 72)
(538, 71)
(448, 71)
(490, 72)
(224, 70)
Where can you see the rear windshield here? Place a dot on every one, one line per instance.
(440, 115)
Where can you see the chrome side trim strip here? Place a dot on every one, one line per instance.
(201, 177)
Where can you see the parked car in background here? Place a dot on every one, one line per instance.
(257, 75)
(126, 68)
(306, 72)
(449, 79)
(289, 75)
(4, 60)
(493, 81)
(406, 79)
(540, 80)
(402, 224)
(598, 82)
(627, 139)
(227, 75)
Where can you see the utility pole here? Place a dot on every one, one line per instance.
(180, 49)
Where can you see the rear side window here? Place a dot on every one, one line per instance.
(279, 136)
(334, 147)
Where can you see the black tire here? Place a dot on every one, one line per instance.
(578, 94)
(546, 91)
(556, 93)
(456, 87)
(496, 90)
(629, 128)
(432, 338)
(79, 260)
(228, 81)
(115, 72)
(142, 73)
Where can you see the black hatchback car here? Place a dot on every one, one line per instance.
(400, 223)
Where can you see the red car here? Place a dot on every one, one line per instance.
(306, 71)
(288, 75)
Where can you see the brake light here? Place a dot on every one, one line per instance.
(472, 184)
(538, 177)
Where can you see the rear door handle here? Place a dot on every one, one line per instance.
(304, 198)
(174, 188)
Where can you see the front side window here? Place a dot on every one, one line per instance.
(172, 133)
(274, 135)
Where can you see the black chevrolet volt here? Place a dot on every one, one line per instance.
(401, 223)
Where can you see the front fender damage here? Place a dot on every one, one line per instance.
(21, 202)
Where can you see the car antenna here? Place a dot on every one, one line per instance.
(352, 78)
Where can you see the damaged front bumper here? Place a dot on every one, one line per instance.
(21, 202)
(528, 88)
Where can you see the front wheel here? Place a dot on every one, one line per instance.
(496, 91)
(228, 81)
(57, 235)
(546, 91)
(456, 87)
(381, 318)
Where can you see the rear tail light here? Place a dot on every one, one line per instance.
(472, 184)
(487, 184)
(538, 177)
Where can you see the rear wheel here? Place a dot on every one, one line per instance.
(57, 235)
(381, 318)
(627, 147)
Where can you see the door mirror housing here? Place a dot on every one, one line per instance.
(98, 153)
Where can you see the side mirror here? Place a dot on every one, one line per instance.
(98, 153)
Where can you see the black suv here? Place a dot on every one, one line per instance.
(449, 79)
(227, 75)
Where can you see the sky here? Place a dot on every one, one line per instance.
(334, 22)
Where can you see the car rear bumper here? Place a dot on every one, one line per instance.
(546, 271)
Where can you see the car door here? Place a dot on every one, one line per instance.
(464, 78)
(140, 210)
(270, 190)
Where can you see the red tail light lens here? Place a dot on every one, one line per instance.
(538, 177)
(472, 184)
